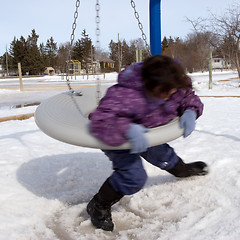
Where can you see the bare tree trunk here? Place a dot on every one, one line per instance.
(237, 58)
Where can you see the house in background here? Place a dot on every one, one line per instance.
(106, 62)
(106, 65)
(49, 71)
(219, 62)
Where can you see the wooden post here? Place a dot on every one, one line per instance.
(138, 55)
(210, 70)
(20, 76)
(80, 67)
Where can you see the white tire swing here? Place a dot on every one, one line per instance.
(65, 116)
(59, 118)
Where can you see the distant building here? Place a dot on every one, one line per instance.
(106, 62)
(219, 62)
(49, 71)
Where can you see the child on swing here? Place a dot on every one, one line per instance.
(148, 94)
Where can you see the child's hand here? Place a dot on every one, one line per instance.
(135, 134)
(187, 121)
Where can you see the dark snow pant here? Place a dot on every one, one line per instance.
(129, 175)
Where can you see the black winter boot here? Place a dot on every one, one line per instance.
(182, 169)
(99, 208)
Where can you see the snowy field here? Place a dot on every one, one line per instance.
(46, 184)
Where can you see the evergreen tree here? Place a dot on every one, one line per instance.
(51, 52)
(18, 51)
(34, 63)
(114, 54)
(132, 50)
(86, 43)
(164, 43)
(77, 51)
(43, 54)
(83, 49)
(27, 53)
(128, 57)
(62, 56)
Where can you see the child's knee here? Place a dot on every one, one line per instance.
(139, 180)
(128, 182)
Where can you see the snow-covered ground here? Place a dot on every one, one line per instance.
(46, 184)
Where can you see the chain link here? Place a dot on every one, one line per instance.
(98, 68)
(97, 20)
(136, 14)
(74, 25)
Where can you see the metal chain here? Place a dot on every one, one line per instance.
(98, 92)
(74, 25)
(136, 14)
(71, 90)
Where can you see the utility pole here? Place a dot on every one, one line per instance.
(210, 70)
(7, 60)
(92, 57)
(119, 55)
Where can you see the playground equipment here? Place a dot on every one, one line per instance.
(65, 116)
(75, 67)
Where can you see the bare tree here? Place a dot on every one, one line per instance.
(227, 28)
(199, 44)
(199, 24)
(192, 52)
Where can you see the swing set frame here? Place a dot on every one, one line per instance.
(65, 116)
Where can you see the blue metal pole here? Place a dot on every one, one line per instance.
(155, 27)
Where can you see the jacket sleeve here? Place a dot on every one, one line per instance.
(190, 101)
(110, 121)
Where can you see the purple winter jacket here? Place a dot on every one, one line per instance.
(126, 103)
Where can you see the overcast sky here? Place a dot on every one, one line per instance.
(53, 18)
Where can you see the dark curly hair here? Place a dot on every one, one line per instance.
(164, 72)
